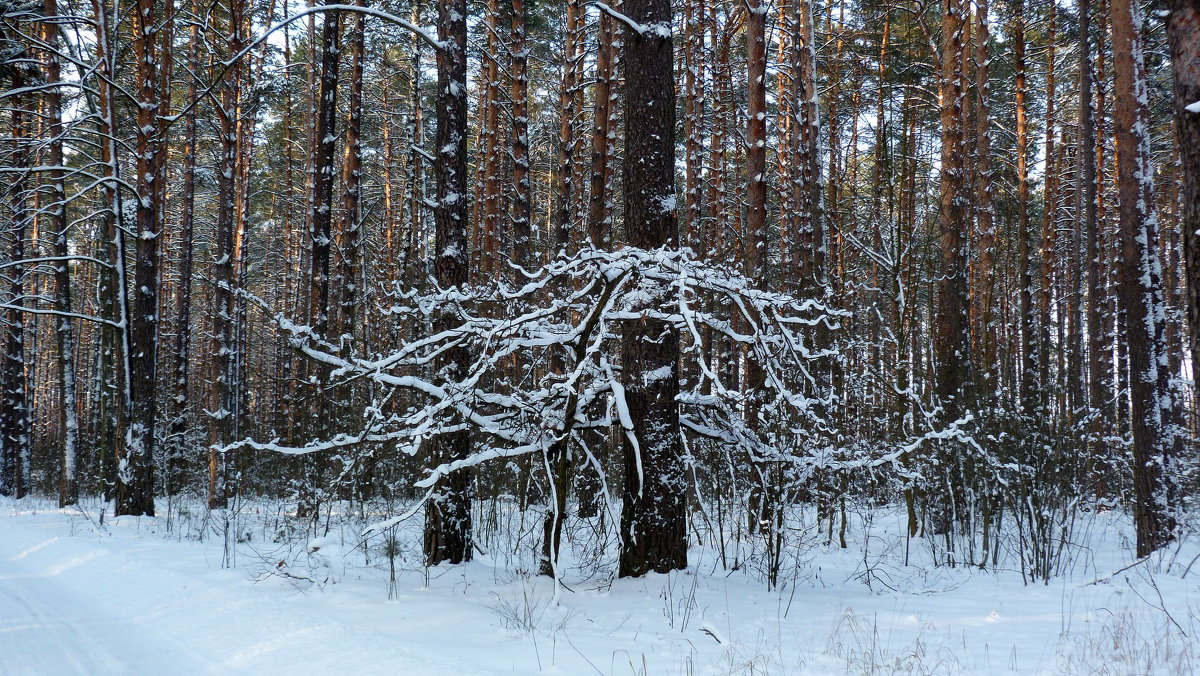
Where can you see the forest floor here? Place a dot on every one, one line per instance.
(84, 595)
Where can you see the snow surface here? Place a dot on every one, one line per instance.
(144, 596)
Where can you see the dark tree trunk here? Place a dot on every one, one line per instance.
(1028, 327)
(951, 337)
(350, 234)
(519, 66)
(325, 144)
(180, 409)
(1097, 377)
(1183, 35)
(1141, 287)
(135, 471)
(654, 518)
(68, 483)
(221, 407)
(14, 412)
(448, 513)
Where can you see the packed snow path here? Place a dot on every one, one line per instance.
(48, 627)
(136, 597)
(119, 600)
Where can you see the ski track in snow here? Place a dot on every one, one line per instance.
(50, 628)
(134, 599)
(75, 603)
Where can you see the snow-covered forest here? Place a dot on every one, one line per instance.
(559, 308)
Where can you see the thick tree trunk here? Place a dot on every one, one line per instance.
(1183, 36)
(350, 232)
(448, 513)
(762, 495)
(1028, 325)
(654, 517)
(951, 331)
(180, 413)
(68, 482)
(221, 407)
(1141, 287)
(521, 210)
(325, 145)
(135, 472)
(988, 373)
(14, 402)
(951, 335)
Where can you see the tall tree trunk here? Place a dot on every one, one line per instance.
(951, 335)
(565, 176)
(654, 517)
(693, 113)
(350, 232)
(762, 498)
(221, 406)
(808, 219)
(324, 168)
(180, 409)
(989, 332)
(951, 332)
(521, 210)
(14, 402)
(1049, 203)
(599, 222)
(1141, 286)
(135, 475)
(1091, 232)
(1183, 36)
(1029, 337)
(557, 458)
(490, 131)
(115, 340)
(324, 145)
(68, 482)
(448, 512)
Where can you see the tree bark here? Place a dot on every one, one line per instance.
(521, 209)
(135, 472)
(448, 513)
(654, 517)
(14, 401)
(68, 483)
(951, 335)
(1183, 36)
(1028, 325)
(1141, 286)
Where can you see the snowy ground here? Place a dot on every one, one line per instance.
(147, 596)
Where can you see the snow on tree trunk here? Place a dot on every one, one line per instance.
(135, 471)
(448, 513)
(654, 517)
(1183, 36)
(1141, 286)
